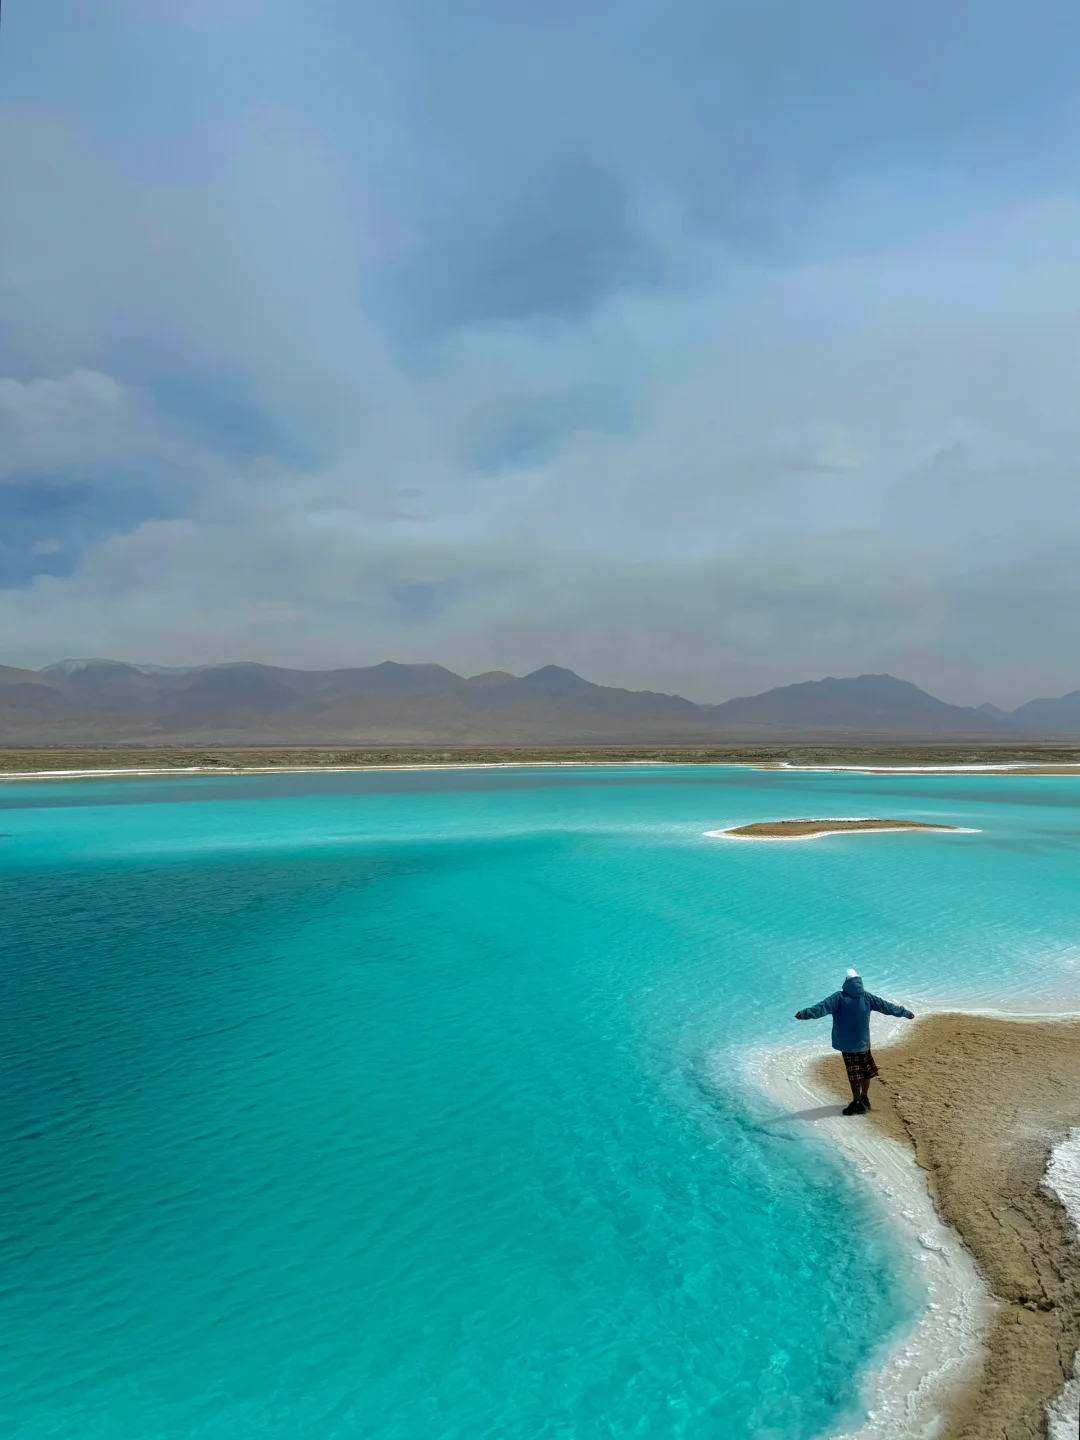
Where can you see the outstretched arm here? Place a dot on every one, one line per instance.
(888, 1008)
(823, 1007)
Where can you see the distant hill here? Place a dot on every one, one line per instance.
(1052, 717)
(994, 711)
(867, 702)
(102, 702)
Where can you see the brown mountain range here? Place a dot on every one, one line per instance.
(107, 702)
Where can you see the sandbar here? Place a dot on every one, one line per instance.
(809, 829)
(984, 1102)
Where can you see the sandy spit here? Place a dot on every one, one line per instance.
(988, 1104)
(910, 1388)
(810, 829)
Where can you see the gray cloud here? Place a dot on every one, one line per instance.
(702, 349)
(49, 521)
(556, 250)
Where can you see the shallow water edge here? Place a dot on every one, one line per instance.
(907, 1392)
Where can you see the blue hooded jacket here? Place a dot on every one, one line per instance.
(850, 1010)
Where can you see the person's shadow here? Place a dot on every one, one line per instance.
(819, 1112)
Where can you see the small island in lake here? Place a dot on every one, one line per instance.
(807, 829)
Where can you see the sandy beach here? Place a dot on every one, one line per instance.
(982, 1102)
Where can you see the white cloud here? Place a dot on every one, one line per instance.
(43, 403)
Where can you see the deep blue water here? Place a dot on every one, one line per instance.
(387, 1105)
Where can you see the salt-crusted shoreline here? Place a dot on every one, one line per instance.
(149, 771)
(991, 1100)
(1012, 767)
(157, 770)
(907, 1394)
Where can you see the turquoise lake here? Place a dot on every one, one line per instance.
(411, 1105)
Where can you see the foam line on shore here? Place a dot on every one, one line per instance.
(905, 1397)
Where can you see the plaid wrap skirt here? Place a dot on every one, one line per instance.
(860, 1065)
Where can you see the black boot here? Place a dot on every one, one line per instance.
(855, 1108)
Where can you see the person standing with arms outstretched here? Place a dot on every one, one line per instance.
(850, 1010)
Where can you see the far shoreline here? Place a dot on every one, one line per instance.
(20, 764)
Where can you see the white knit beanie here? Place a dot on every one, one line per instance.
(852, 975)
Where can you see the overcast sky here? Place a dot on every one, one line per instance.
(699, 345)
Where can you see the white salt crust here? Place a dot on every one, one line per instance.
(1063, 1178)
(928, 770)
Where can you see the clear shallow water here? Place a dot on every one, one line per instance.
(386, 1105)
